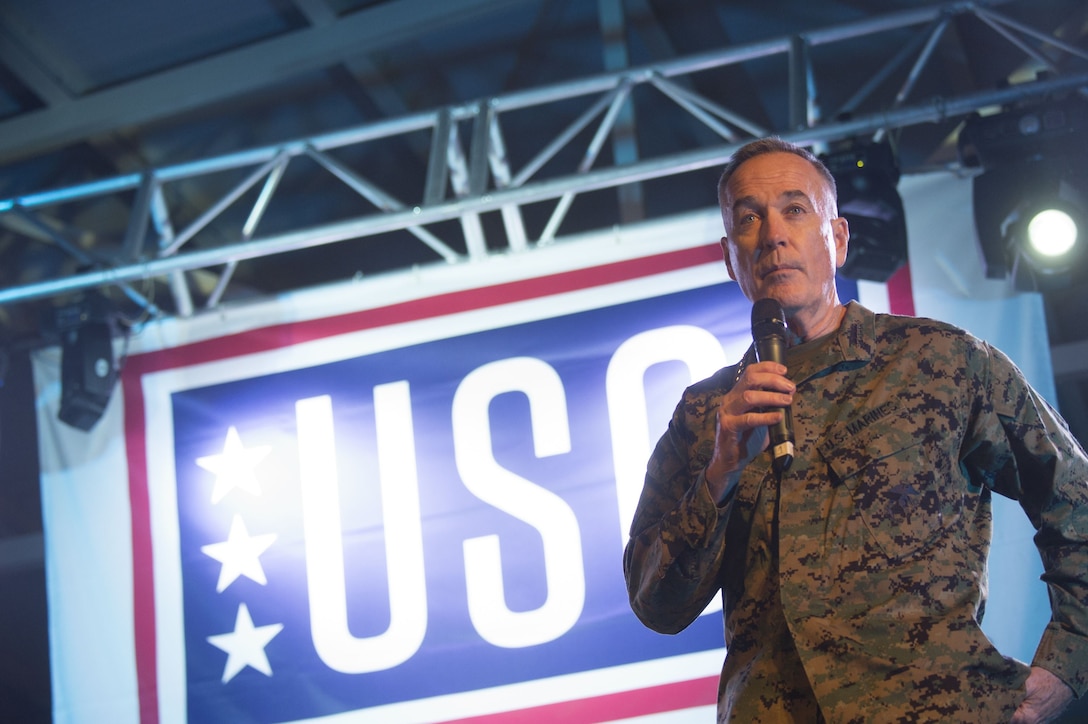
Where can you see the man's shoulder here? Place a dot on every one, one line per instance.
(716, 384)
(916, 342)
(921, 330)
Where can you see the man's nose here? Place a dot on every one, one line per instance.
(773, 230)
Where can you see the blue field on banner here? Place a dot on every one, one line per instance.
(421, 521)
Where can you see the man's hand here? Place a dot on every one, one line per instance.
(743, 416)
(1047, 697)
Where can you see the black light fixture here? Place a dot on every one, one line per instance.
(1030, 200)
(867, 176)
(88, 370)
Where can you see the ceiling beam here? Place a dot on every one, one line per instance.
(579, 182)
(320, 15)
(227, 75)
(29, 71)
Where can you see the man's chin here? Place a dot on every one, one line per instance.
(780, 291)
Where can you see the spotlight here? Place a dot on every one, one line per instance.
(1029, 201)
(1048, 229)
(1041, 238)
(1052, 233)
(867, 176)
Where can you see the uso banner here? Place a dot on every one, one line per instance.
(411, 512)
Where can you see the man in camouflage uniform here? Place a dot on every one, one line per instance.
(854, 582)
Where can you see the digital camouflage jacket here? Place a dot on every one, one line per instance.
(854, 586)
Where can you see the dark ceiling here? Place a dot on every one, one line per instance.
(136, 139)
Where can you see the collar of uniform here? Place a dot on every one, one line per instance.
(851, 343)
(856, 333)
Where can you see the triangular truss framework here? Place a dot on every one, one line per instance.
(469, 172)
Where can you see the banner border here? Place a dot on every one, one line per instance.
(291, 333)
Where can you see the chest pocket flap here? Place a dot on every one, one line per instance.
(890, 463)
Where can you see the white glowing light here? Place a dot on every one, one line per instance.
(245, 645)
(1052, 233)
(233, 467)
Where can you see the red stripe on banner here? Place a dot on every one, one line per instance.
(900, 295)
(143, 572)
(622, 705)
(283, 335)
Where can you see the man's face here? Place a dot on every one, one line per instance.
(783, 239)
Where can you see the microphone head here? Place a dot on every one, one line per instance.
(768, 319)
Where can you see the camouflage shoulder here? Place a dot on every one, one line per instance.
(894, 325)
(717, 383)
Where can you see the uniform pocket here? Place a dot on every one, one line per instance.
(891, 469)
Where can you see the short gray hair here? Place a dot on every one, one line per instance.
(773, 144)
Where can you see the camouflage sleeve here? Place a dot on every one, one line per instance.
(671, 560)
(1043, 467)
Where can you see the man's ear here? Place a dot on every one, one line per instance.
(725, 254)
(840, 230)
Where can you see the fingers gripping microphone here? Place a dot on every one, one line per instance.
(769, 334)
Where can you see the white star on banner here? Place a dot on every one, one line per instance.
(245, 645)
(239, 554)
(233, 467)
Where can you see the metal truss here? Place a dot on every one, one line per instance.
(469, 172)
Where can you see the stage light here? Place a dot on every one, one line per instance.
(1041, 238)
(88, 371)
(867, 176)
(1052, 233)
(1030, 219)
(1030, 198)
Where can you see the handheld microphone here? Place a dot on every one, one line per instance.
(769, 335)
